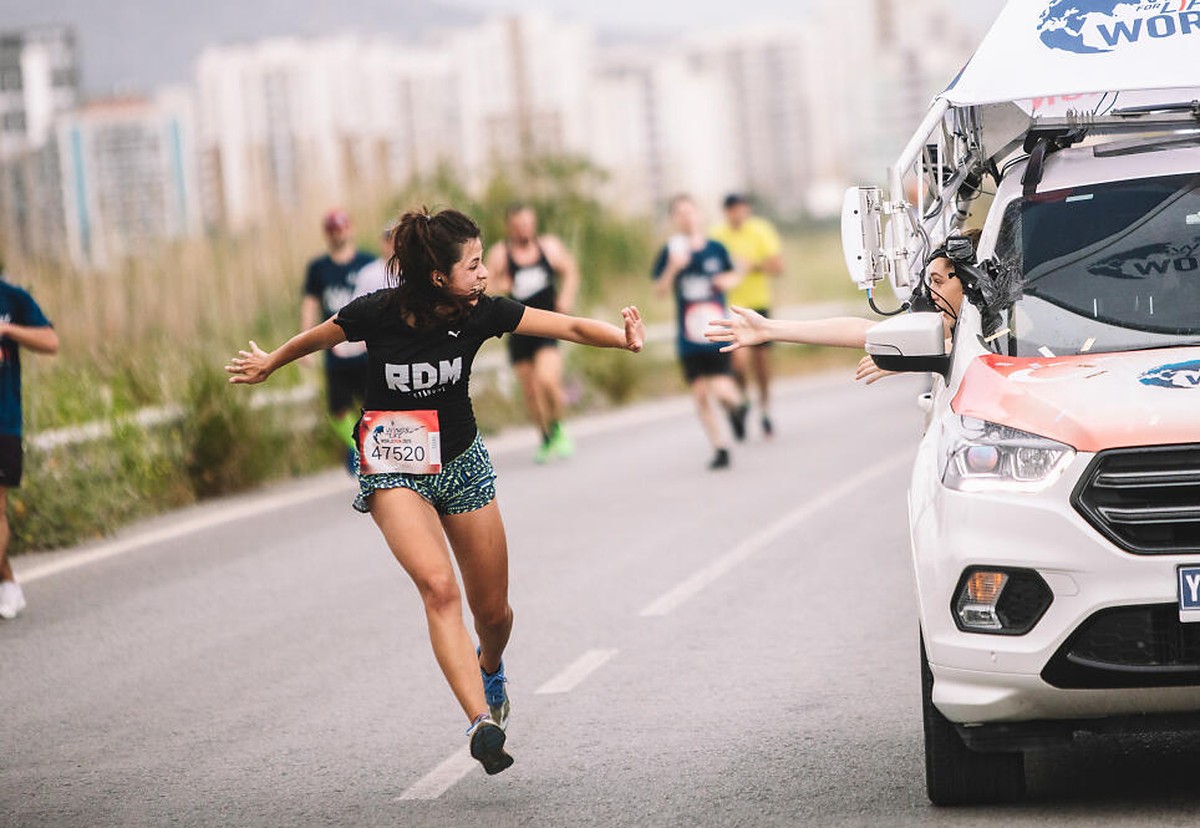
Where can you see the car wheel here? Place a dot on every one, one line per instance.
(955, 774)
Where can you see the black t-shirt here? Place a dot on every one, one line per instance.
(410, 370)
(333, 284)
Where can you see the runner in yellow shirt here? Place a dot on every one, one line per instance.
(756, 250)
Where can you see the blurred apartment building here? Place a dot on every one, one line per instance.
(657, 129)
(129, 175)
(39, 79)
(93, 181)
(291, 123)
(789, 113)
(285, 127)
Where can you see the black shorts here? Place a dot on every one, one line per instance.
(12, 460)
(706, 364)
(522, 348)
(345, 384)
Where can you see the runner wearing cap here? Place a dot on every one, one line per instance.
(329, 283)
(756, 250)
(425, 475)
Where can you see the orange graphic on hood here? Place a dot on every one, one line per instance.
(1091, 402)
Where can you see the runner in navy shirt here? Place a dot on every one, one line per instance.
(329, 283)
(697, 271)
(22, 325)
(425, 474)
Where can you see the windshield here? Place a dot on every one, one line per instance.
(1107, 267)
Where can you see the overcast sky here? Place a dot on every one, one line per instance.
(666, 14)
(135, 45)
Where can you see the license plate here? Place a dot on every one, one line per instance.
(1189, 593)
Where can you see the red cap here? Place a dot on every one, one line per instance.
(335, 219)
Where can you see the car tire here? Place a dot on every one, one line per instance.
(955, 774)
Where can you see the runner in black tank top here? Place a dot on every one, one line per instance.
(535, 287)
(538, 272)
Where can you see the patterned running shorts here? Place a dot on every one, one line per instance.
(466, 483)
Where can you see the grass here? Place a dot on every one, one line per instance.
(156, 330)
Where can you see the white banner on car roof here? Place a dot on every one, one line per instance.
(1042, 48)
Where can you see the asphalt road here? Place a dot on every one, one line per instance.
(691, 648)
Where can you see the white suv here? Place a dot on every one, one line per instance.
(1055, 499)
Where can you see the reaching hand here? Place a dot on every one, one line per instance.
(868, 372)
(635, 331)
(249, 367)
(742, 330)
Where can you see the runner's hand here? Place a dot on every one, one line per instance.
(249, 367)
(742, 330)
(868, 372)
(635, 331)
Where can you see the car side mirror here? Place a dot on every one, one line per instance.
(911, 342)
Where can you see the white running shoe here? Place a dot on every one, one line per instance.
(12, 600)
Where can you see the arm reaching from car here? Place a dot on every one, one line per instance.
(746, 328)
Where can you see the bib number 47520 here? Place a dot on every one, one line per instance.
(399, 442)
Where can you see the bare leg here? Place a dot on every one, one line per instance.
(701, 392)
(481, 549)
(529, 390)
(761, 360)
(411, 528)
(547, 370)
(725, 391)
(741, 370)
(6, 573)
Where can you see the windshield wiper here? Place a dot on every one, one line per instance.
(1140, 145)
(1146, 109)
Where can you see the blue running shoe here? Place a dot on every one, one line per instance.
(496, 695)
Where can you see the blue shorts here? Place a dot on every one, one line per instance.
(466, 483)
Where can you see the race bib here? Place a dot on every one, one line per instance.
(696, 318)
(404, 442)
(529, 281)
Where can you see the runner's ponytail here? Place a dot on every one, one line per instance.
(426, 243)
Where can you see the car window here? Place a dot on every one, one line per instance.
(1106, 267)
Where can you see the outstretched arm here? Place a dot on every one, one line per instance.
(256, 365)
(535, 322)
(41, 338)
(746, 328)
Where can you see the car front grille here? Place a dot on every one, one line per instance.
(1138, 646)
(1146, 500)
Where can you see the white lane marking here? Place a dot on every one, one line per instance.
(442, 778)
(320, 489)
(671, 599)
(576, 672)
(446, 775)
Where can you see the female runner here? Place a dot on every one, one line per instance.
(425, 475)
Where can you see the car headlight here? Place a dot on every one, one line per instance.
(981, 457)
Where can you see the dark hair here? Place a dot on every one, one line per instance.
(425, 243)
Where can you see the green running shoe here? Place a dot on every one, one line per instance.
(560, 443)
